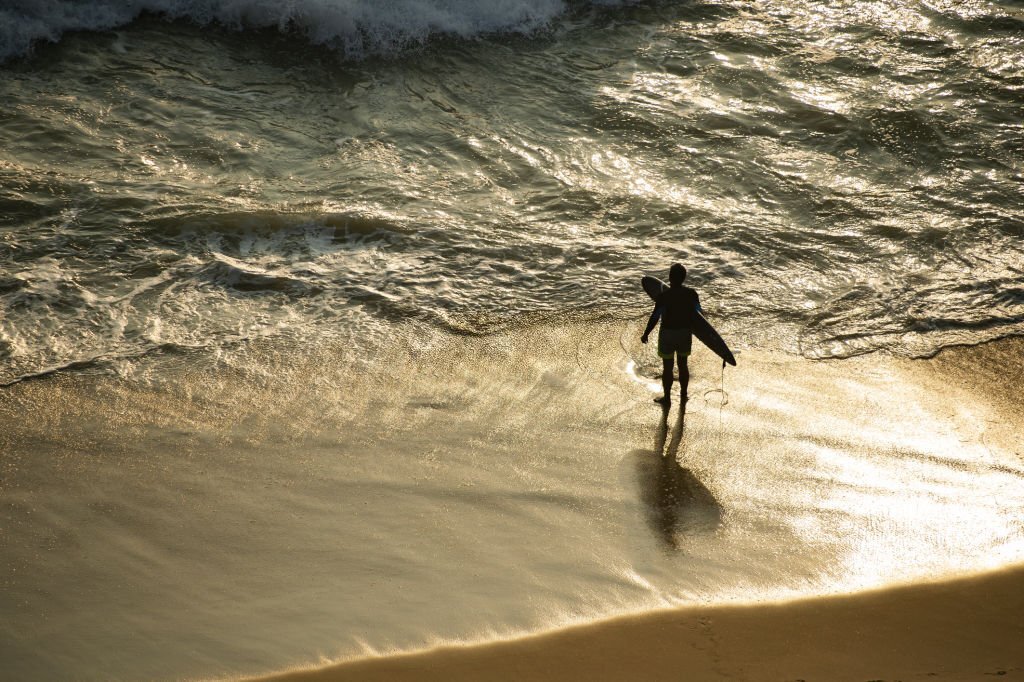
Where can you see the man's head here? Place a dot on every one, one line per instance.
(676, 274)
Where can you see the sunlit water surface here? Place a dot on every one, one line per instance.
(347, 302)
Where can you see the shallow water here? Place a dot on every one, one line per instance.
(346, 304)
(841, 177)
(214, 519)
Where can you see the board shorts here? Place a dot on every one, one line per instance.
(674, 342)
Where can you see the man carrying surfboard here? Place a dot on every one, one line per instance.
(674, 306)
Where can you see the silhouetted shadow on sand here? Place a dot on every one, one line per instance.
(676, 503)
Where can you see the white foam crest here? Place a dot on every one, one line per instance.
(357, 27)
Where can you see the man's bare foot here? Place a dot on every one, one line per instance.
(664, 400)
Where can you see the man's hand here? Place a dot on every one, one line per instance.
(643, 338)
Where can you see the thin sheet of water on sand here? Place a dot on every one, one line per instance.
(274, 506)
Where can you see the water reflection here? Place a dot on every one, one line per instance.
(676, 503)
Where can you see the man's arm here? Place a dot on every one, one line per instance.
(655, 316)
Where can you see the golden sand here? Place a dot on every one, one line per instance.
(965, 629)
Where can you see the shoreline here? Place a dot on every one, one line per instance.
(818, 478)
(967, 628)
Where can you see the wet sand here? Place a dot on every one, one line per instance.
(964, 629)
(227, 520)
(969, 627)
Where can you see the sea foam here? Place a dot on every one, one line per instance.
(356, 27)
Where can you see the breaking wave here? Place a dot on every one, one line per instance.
(356, 27)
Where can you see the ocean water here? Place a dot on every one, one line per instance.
(319, 319)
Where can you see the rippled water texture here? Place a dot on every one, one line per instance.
(839, 177)
(349, 296)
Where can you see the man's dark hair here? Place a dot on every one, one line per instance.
(676, 274)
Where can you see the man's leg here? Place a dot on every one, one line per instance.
(666, 379)
(684, 376)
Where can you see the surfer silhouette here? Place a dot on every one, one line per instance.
(674, 307)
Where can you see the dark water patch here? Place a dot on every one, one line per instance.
(852, 65)
(839, 210)
(1010, 226)
(803, 121)
(927, 45)
(987, 26)
(907, 134)
(233, 228)
(247, 281)
(743, 44)
(16, 211)
(77, 367)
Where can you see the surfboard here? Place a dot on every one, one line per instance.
(700, 327)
